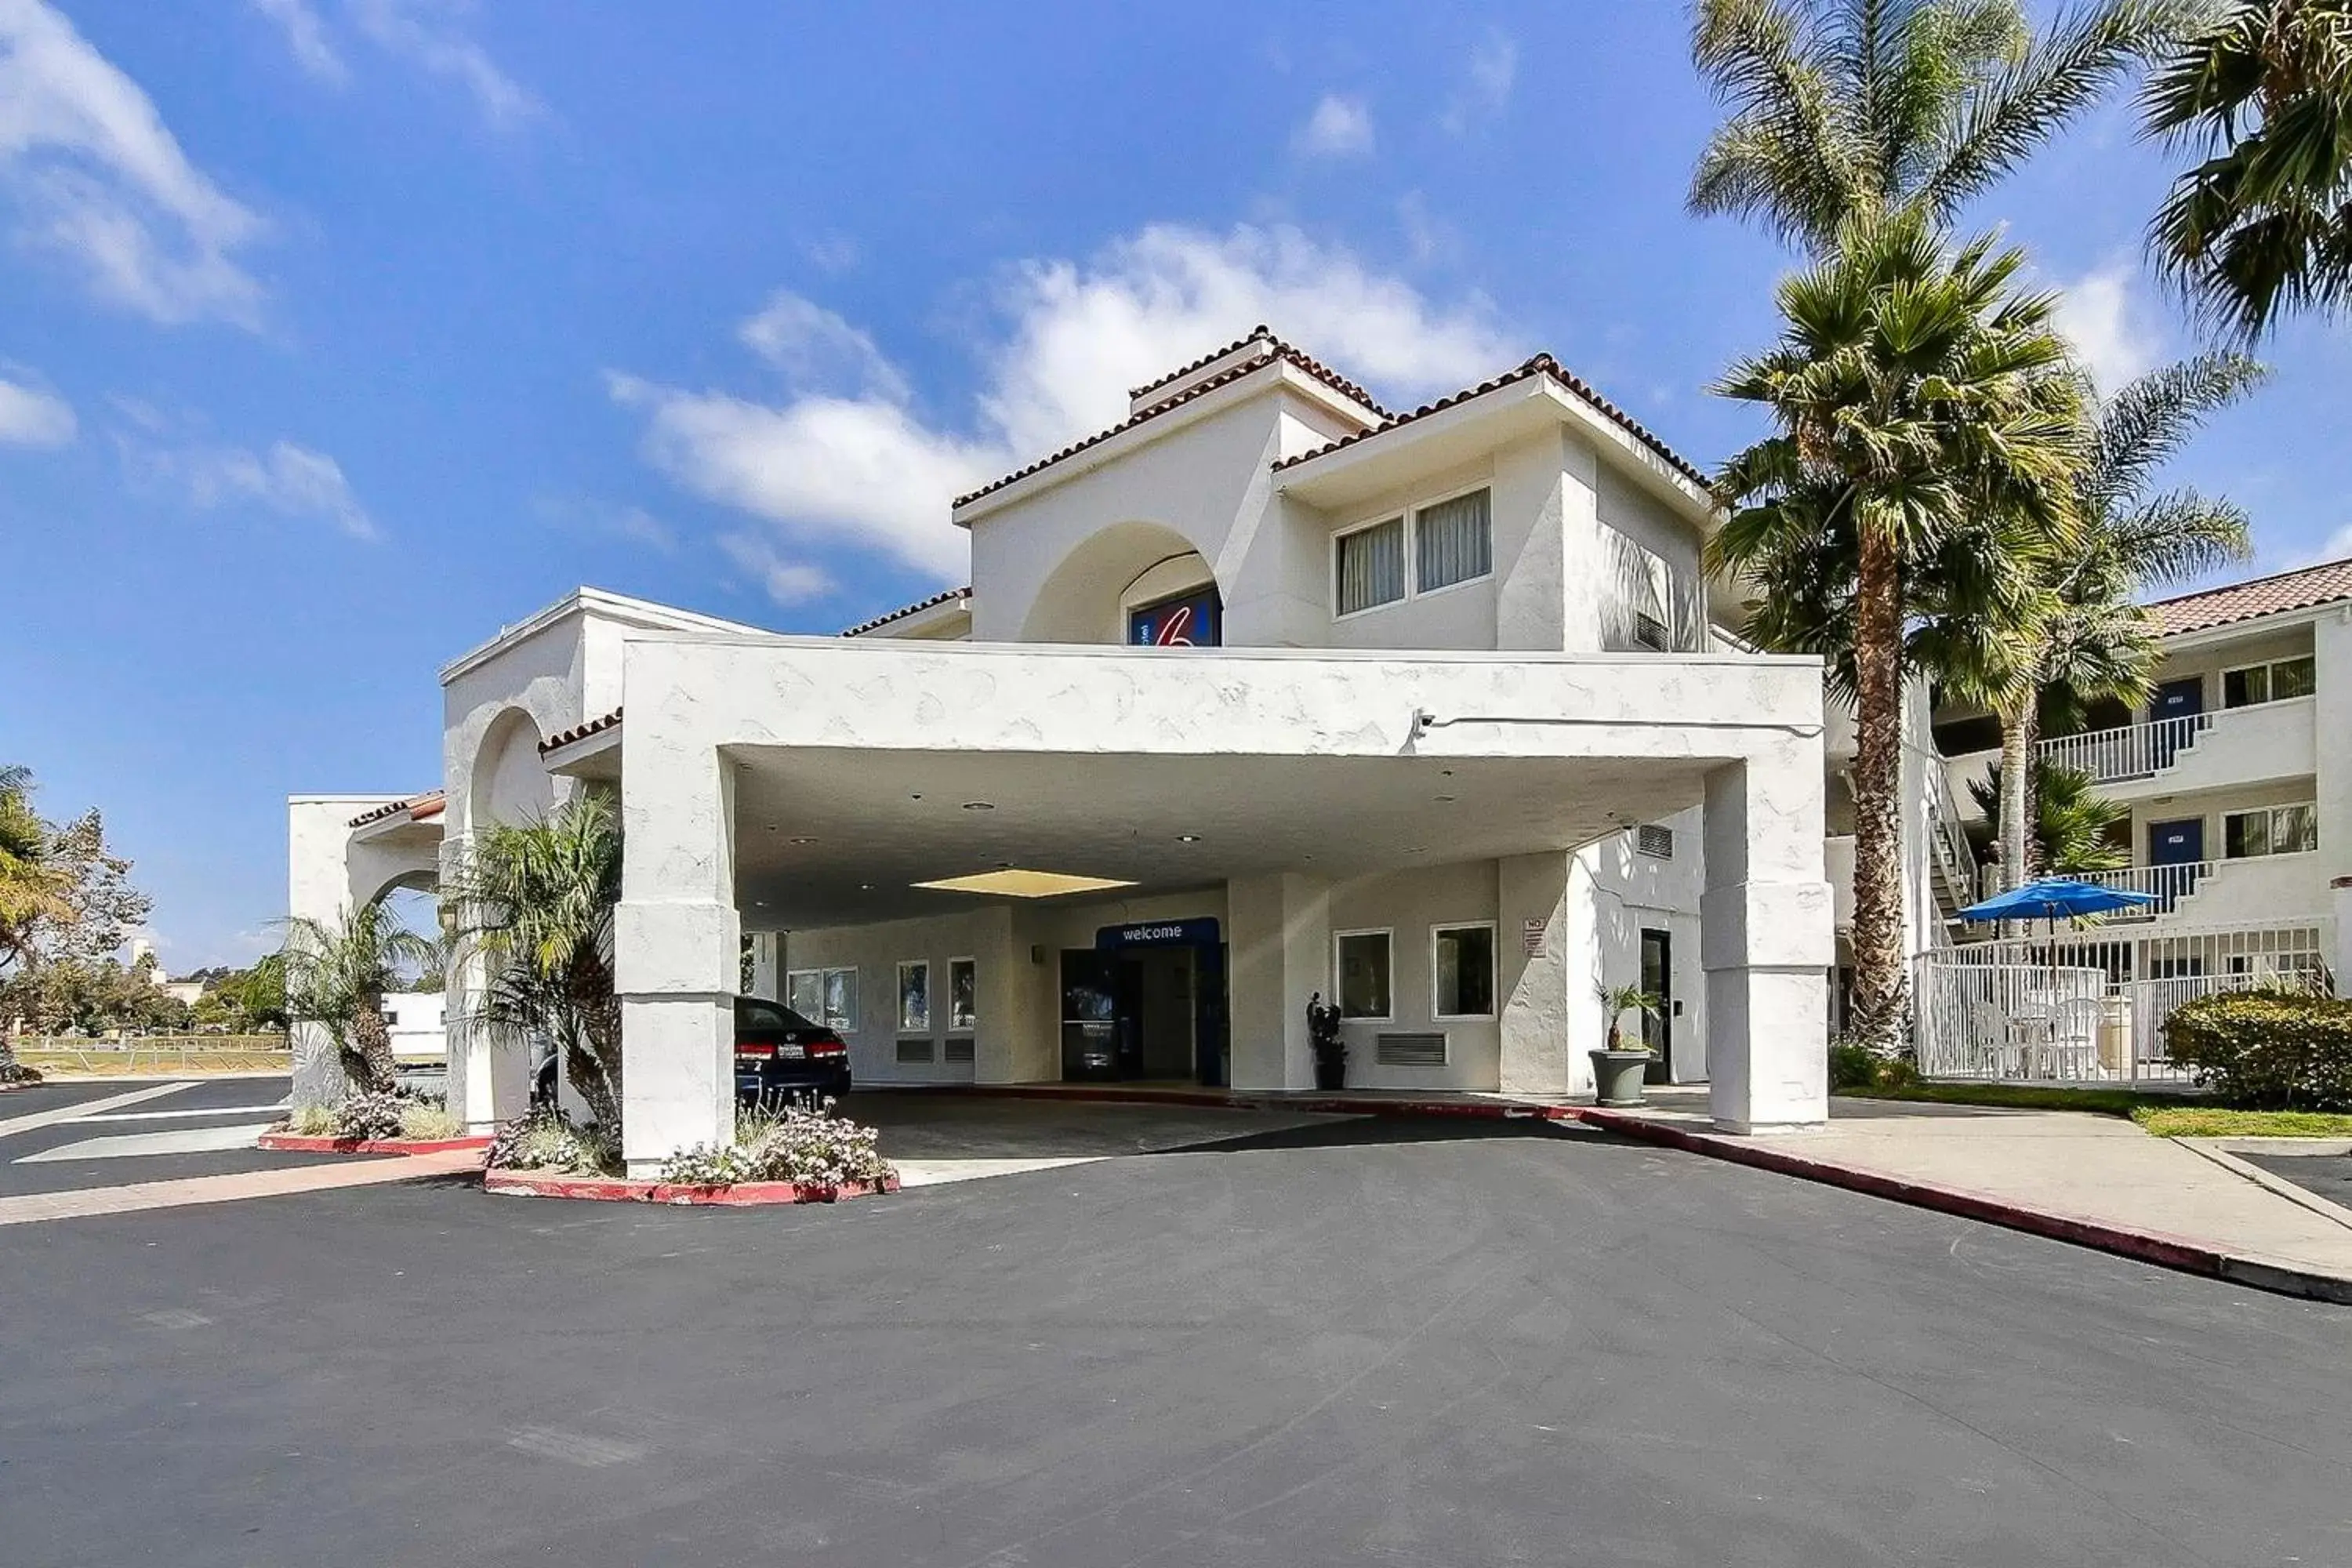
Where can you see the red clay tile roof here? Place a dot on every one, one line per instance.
(1542, 364)
(918, 607)
(418, 807)
(1275, 349)
(1262, 334)
(579, 733)
(2302, 589)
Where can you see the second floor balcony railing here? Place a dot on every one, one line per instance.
(2132, 752)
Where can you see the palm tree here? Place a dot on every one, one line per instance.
(1914, 391)
(534, 903)
(2084, 638)
(336, 976)
(2264, 223)
(2073, 824)
(1845, 107)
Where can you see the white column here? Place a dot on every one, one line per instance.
(488, 1077)
(1765, 942)
(1549, 936)
(677, 949)
(2342, 892)
(1278, 936)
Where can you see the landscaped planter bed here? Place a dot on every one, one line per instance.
(623, 1189)
(297, 1143)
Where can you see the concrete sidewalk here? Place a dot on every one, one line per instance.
(2097, 1180)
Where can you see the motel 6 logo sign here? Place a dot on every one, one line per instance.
(1194, 620)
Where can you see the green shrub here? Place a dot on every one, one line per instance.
(1853, 1068)
(2267, 1049)
(311, 1121)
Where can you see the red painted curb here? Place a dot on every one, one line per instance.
(297, 1143)
(621, 1189)
(2146, 1247)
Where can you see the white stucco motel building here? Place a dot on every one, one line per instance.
(1264, 692)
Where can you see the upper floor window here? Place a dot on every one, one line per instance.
(2272, 683)
(1429, 547)
(1372, 566)
(2271, 830)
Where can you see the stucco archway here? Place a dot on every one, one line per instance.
(509, 783)
(1087, 596)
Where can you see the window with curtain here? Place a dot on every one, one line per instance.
(1370, 565)
(1453, 541)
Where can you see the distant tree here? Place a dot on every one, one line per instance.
(245, 1001)
(66, 900)
(76, 996)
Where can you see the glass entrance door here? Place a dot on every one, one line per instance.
(1658, 1029)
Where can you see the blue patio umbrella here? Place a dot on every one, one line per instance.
(2054, 897)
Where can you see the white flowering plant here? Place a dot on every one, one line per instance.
(544, 1139)
(813, 1146)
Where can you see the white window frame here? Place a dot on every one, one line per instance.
(1409, 516)
(1495, 970)
(1340, 976)
(914, 1031)
(972, 1027)
(1404, 520)
(2268, 667)
(856, 998)
(2271, 831)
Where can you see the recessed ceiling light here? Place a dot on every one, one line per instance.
(1188, 838)
(914, 798)
(978, 806)
(865, 886)
(1445, 799)
(1416, 848)
(1012, 883)
(799, 840)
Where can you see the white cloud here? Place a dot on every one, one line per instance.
(1488, 80)
(430, 35)
(1339, 128)
(788, 583)
(306, 38)
(1429, 237)
(865, 469)
(2097, 314)
(2338, 547)
(31, 417)
(291, 480)
(819, 351)
(96, 175)
(832, 252)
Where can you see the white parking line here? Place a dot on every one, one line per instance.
(175, 1115)
(84, 1108)
(192, 1141)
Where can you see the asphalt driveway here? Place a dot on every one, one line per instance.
(83, 1133)
(1371, 1342)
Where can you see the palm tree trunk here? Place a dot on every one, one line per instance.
(372, 1043)
(1879, 988)
(2016, 797)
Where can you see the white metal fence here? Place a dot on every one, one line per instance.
(2088, 1005)
(2132, 751)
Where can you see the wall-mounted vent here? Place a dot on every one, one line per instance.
(1650, 632)
(1656, 842)
(959, 1049)
(1409, 1050)
(914, 1050)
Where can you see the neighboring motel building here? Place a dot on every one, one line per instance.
(1264, 692)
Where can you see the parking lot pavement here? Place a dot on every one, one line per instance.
(937, 1137)
(57, 1137)
(1371, 1342)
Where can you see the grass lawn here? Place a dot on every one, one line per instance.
(2027, 1097)
(2211, 1121)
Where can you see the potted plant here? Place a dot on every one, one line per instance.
(1331, 1050)
(1617, 1071)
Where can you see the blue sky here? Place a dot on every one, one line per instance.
(341, 331)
